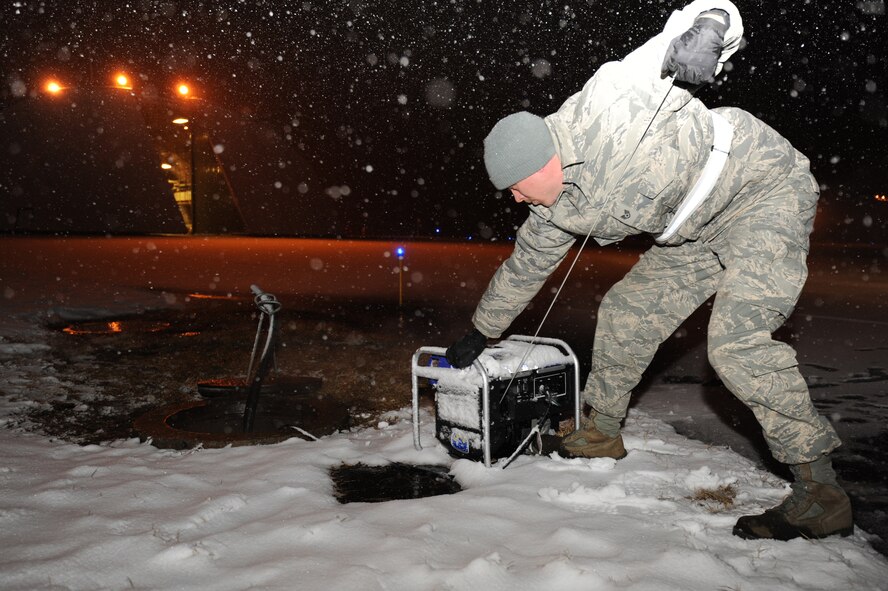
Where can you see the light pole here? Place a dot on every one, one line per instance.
(184, 92)
(400, 252)
(188, 125)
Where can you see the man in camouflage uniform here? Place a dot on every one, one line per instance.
(634, 152)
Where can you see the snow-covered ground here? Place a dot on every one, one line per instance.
(129, 516)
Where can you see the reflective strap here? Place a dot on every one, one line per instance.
(722, 134)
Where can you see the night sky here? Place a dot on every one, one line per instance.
(389, 101)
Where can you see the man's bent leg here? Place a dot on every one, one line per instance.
(756, 295)
(636, 315)
(640, 312)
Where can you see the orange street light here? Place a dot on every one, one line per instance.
(183, 90)
(53, 87)
(180, 121)
(122, 81)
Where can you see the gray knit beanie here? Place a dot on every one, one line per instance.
(517, 146)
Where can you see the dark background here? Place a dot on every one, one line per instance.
(386, 103)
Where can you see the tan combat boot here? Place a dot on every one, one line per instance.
(817, 508)
(589, 442)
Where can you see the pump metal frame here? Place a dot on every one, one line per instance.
(418, 371)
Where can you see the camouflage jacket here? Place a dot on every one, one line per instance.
(614, 184)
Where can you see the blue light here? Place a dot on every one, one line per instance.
(399, 251)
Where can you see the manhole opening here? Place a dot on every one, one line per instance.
(315, 415)
(219, 421)
(274, 385)
(360, 483)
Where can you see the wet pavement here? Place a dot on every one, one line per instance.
(339, 369)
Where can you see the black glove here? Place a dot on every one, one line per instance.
(464, 351)
(693, 57)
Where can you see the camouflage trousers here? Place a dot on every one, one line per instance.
(755, 265)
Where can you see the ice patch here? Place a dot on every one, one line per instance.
(653, 445)
(22, 348)
(560, 464)
(704, 478)
(610, 498)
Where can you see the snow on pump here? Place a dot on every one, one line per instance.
(486, 411)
